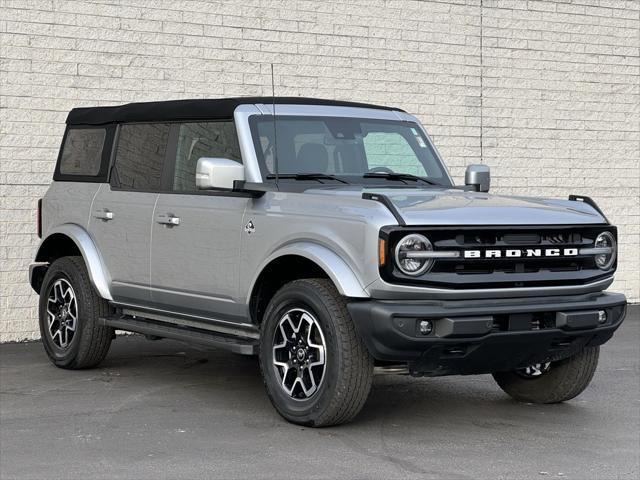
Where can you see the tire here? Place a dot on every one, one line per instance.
(342, 384)
(81, 342)
(564, 380)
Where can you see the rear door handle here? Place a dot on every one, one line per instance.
(168, 219)
(104, 214)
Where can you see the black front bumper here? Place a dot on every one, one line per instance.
(484, 336)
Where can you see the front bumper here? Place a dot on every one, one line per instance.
(484, 336)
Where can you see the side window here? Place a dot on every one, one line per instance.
(82, 151)
(140, 156)
(391, 150)
(205, 139)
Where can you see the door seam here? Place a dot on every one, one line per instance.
(153, 216)
(91, 206)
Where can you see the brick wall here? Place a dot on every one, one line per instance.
(556, 108)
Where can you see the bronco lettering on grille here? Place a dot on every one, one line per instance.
(519, 253)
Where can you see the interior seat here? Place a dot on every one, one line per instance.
(312, 158)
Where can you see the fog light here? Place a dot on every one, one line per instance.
(602, 316)
(426, 327)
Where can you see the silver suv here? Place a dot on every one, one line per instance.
(325, 237)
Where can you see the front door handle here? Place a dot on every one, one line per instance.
(103, 214)
(168, 219)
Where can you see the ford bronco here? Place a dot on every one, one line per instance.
(325, 237)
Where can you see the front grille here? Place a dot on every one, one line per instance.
(504, 271)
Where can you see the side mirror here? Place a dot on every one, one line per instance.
(218, 173)
(478, 177)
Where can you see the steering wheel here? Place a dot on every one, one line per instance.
(381, 170)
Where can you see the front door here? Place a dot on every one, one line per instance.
(196, 234)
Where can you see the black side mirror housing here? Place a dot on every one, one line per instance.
(478, 177)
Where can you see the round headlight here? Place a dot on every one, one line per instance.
(605, 241)
(410, 257)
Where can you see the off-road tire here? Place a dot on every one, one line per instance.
(91, 341)
(566, 379)
(349, 366)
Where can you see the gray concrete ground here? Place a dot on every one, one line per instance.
(164, 410)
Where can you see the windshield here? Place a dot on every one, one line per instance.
(346, 148)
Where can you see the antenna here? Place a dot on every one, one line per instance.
(275, 132)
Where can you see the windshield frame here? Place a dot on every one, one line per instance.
(355, 179)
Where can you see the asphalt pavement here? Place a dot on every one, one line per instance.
(161, 409)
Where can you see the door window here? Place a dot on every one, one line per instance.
(140, 156)
(205, 139)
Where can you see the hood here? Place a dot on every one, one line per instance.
(431, 206)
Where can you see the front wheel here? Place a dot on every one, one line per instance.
(316, 369)
(551, 382)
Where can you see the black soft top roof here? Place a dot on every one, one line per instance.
(195, 109)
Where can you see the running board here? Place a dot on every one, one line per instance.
(245, 345)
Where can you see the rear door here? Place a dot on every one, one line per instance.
(122, 211)
(196, 234)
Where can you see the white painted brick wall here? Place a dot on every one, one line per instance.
(560, 89)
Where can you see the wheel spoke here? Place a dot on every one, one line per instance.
(67, 294)
(284, 382)
(287, 319)
(299, 353)
(312, 388)
(62, 313)
(52, 317)
(57, 334)
(56, 292)
(535, 370)
(73, 308)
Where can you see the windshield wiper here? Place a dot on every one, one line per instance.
(399, 176)
(307, 176)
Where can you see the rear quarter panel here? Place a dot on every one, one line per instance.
(67, 202)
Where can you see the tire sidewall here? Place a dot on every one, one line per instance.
(562, 382)
(300, 411)
(63, 269)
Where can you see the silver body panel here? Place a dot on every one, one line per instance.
(206, 264)
(124, 240)
(194, 265)
(429, 206)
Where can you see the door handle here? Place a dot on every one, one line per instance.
(104, 214)
(168, 219)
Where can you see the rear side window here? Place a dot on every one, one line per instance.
(82, 151)
(140, 157)
(84, 155)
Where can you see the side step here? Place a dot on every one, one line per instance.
(189, 334)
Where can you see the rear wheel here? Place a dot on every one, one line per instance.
(316, 369)
(69, 312)
(551, 382)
